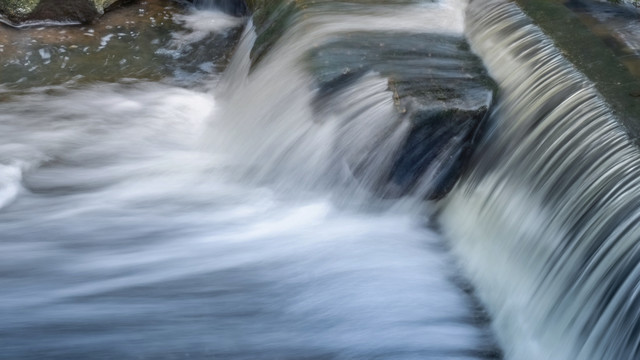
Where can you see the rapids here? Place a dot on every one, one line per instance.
(172, 216)
(166, 193)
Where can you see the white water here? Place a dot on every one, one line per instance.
(360, 130)
(547, 224)
(147, 221)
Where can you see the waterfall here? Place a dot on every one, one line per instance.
(234, 7)
(256, 212)
(218, 216)
(547, 223)
(348, 132)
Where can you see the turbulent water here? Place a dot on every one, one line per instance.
(179, 202)
(547, 224)
(142, 220)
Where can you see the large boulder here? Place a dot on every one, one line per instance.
(20, 11)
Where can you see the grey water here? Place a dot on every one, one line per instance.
(158, 215)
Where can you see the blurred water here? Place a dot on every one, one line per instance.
(122, 239)
(126, 233)
(547, 223)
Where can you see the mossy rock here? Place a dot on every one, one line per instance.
(592, 56)
(20, 11)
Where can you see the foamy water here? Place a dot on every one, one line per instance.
(127, 233)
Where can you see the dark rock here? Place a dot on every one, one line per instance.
(441, 142)
(77, 11)
(438, 85)
(272, 18)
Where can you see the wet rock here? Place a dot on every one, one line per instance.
(439, 87)
(601, 40)
(79, 11)
(158, 40)
(272, 18)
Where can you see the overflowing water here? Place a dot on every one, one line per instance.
(218, 217)
(547, 223)
(169, 192)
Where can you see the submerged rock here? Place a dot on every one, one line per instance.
(82, 11)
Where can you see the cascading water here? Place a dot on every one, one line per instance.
(142, 220)
(356, 131)
(234, 7)
(547, 223)
(162, 212)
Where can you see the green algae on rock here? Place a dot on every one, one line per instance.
(591, 55)
(147, 41)
(79, 11)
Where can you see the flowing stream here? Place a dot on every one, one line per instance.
(181, 213)
(164, 196)
(547, 223)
